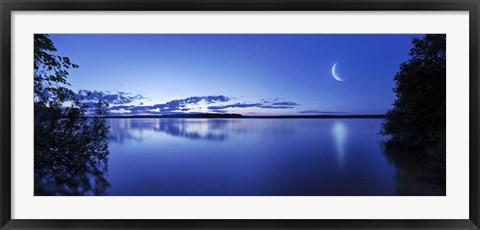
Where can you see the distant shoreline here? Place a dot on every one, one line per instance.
(247, 117)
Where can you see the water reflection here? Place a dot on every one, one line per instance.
(256, 157)
(339, 132)
(416, 176)
(194, 129)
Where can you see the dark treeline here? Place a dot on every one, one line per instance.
(70, 150)
(417, 123)
(418, 119)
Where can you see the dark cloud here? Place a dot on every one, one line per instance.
(122, 103)
(276, 105)
(177, 104)
(318, 112)
(91, 97)
(285, 103)
(236, 105)
(218, 110)
(173, 106)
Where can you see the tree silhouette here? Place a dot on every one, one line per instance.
(70, 150)
(418, 119)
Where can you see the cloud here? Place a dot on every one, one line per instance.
(286, 103)
(174, 106)
(263, 105)
(218, 110)
(318, 111)
(177, 104)
(236, 105)
(122, 111)
(92, 97)
(127, 103)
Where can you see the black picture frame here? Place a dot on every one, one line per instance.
(8, 6)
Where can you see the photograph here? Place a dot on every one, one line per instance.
(239, 114)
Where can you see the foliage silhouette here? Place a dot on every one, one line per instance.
(418, 119)
(70, 150)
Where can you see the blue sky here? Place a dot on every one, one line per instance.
(250, 74)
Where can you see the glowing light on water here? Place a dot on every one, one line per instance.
(339, 133)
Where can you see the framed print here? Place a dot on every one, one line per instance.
(234, 114)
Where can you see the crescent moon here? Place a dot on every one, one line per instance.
(335, 74)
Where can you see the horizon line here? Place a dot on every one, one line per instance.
(233, 115)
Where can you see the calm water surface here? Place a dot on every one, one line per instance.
(249, 157)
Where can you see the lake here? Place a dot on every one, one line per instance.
(254, 157)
